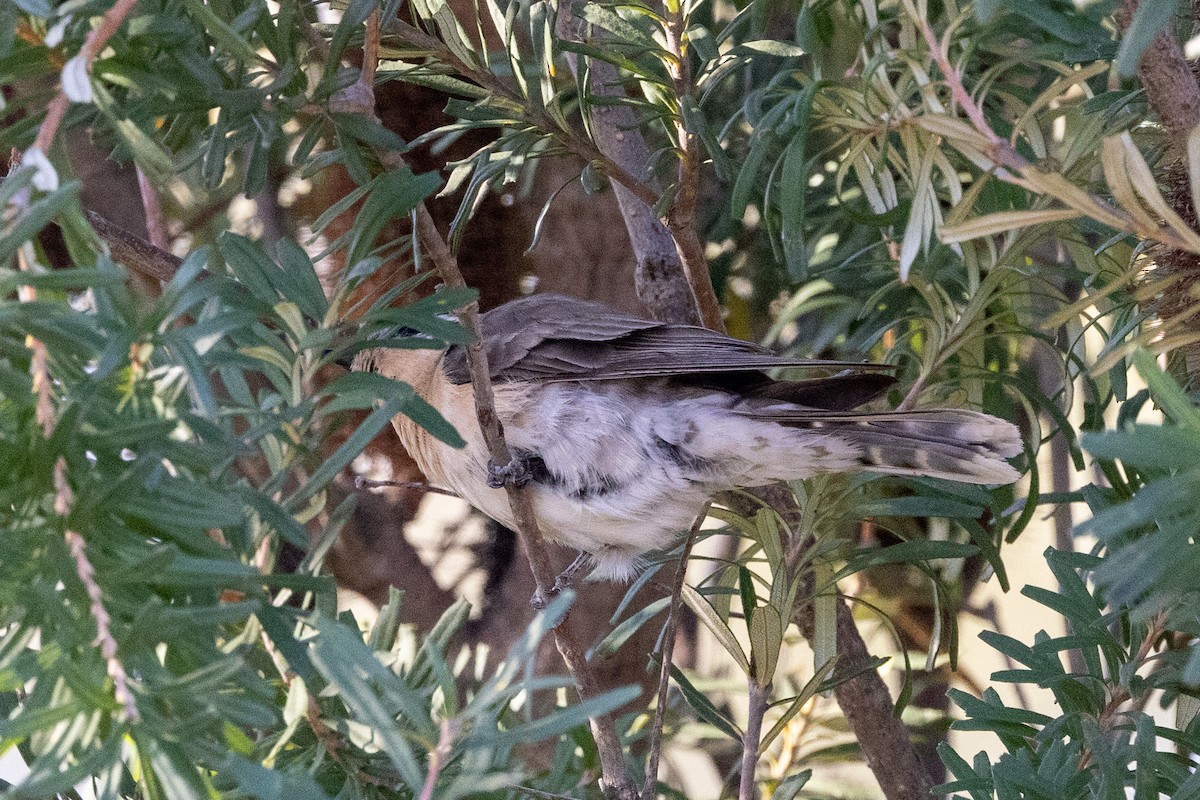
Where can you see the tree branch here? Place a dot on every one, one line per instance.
(615, 779)
(756, 704)
(883, 738)
(649, 788)
(57, 110)
(1174, 94)
(672, 276)
(133, 251)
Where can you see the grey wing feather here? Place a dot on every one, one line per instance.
(554, 338)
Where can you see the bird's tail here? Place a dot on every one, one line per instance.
(954, 444)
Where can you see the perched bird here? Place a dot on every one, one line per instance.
(625, 427)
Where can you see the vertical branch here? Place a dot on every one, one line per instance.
(756, 709)
(1174, 94)
(1171, 85)
(865, 700)
(681, 214)
(615, 779)
(668, 651)
(672, 275)
(867, 704)
(437, 758)
(156, 225)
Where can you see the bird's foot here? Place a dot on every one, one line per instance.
(514, 473)
(563, 581)
(567, 576)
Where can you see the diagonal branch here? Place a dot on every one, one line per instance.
(615, 779)
(650, 787)
(110, 23)
(133, 251)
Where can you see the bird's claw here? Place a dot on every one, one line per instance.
(562, 582)
(567, 576)
(514, 473)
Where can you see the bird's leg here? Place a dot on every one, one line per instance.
(515, 473)
(563, 581)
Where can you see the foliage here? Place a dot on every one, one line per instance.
(187, 444)
(966, 191)
(1106, 741)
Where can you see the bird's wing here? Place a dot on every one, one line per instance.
(553, 338)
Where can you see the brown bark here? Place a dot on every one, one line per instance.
(1170, 84)
(884, 739)
(1174, 94)
(867, 704)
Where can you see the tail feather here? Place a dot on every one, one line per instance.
(954, 444)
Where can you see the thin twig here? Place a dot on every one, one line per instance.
(681, 215)
(1004, 155)
(914, 393)
(485, 406)
(668, 650)
(44, 414)
(615, 776)
(756, 703)
(331, 740)
(1121, 693)
(672, 274)
(437, 758)
(569, 139)
(1002, 152)
(370, 52)
(104, 637)
(38, 366)
(327, 736)
(109, 24)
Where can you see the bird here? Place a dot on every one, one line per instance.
(624, 428)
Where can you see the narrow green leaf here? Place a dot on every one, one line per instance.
(169, 773)
(262, 783)
(375, 422)
(797, 703)
(708, 615)
(36, 217)
(370, 692)
(766, 638)
(825, 605)
(789, 788)
(621, 633)
(562, 720)
(704, 707)
(1166, 393)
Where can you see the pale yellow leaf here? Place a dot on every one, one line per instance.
(1003, 221)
